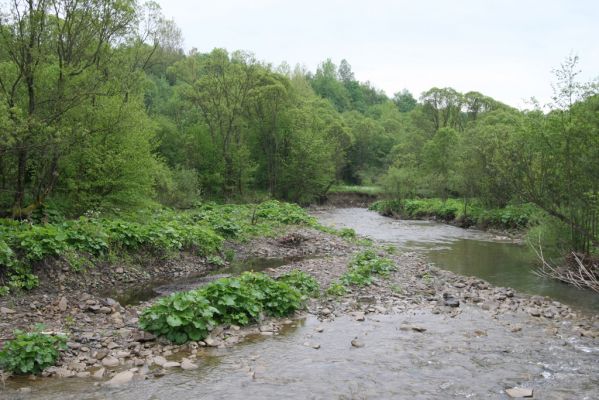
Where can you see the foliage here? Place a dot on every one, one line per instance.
(180, 317)
(336, 289)
(192, 315)
(363, 266)
(301, 281)
(454, 210)
(31, 353)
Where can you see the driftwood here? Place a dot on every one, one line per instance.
(575, 273)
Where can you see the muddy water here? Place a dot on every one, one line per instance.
(464, 251)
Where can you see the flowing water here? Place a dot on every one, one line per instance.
(467, 252)
(469, 355)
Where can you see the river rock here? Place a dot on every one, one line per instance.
(188, 365)
(171, 364)
(357, 343)
(519, 392)
(360, 316)
(99, 374)
(63, 304)
(159, 360)
(4, 310)
(120, 379)
(110, 362)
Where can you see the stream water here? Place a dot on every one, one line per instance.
(470, 355)
(467, 252)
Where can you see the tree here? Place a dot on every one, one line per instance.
(404, 101)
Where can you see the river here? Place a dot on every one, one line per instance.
(471, 354)
(467, 252)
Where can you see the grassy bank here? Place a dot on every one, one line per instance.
(511, 217)
(201, 230)
(350, 189)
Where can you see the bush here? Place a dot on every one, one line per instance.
(364, 265)
(336, 289)
(31, 353)
(306, 284)
(286, 213)
(191, 315)
(180, 317)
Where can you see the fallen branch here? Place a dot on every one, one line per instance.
(579, 275)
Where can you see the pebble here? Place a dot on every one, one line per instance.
(357, 343)
(120, 379)
(171, 364)
(110, 362)
(188, 365)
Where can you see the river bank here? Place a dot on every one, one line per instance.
(418, 302)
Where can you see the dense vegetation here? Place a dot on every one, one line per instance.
(200, 230)
(191, 315)
(102, 111)
(30, 353)
(516, 217)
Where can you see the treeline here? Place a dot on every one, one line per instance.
(100, 109)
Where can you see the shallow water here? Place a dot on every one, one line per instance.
(469, 356)
(467, 252)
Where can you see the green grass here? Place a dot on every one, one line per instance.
(370, 190)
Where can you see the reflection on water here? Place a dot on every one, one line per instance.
(465, 251)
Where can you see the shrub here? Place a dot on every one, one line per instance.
(31, 353)
(336, 289)
(180, 317)
(191, 315)
(286, 213)
(363, 266)
(306, 284)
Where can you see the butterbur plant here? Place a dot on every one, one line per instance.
(31, 353)
(192, 315)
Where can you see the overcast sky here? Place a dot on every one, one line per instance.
(505, 49)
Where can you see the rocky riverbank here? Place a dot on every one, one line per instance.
(106, 346)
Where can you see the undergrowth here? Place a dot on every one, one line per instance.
(162, 233)
(191, 315)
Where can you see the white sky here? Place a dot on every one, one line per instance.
(505, 49)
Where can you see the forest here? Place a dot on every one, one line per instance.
(102, 111)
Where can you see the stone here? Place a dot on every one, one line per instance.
(120, 379)
(171, 364)
(25, 389)
(187, 365)
(159, 360)
(100, 355)
(63, 372)
(119, 270)
(360, 316)
(99, 374)
(326, 311)
(4, 310)
(414, 328)
(534, 312)
(83, 374)
(357, 343)
(519, 392)
(142, 337)
(110, 362)
(210, 342)
(63, 304)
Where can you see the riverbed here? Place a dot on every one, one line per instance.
(393, 340)
(471, 252)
